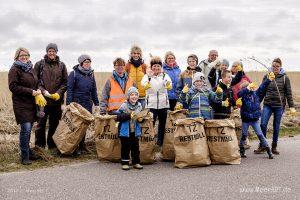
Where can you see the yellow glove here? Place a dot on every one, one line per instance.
(239, 68)
(271, 76)
(55, 96)
(140, 119)
(252, 86)
(292, 112)
(185, 89)
(219, 90)
(132, 115)
(40, 100)
(239, 102)
(178, 106)
(225, 103)
(168, 86)
(147, 86)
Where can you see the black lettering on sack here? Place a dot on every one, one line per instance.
(145, 130)
(106, 129)
(69, 123)
(221, 130)
(108, 136)
(188, 138)
(219, 138)
(146, 139)
(192, 127)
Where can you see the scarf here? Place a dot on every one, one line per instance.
(136, 63)
(174, 64)
(120, 80)
(26, 67)
(85, 71)
(51, 62)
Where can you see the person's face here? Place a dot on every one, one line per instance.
(192, 63)
(276, 68)
(156, 68)
(233, 69)
(23, 57)
(51, 53)
(198, 84)
(120, 69)
(212, 56)
(170, 59)
(136, 55)
(133, 98)
(86, 64)
(227, 79)
(223, 66)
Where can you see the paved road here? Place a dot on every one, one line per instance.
(256, 178)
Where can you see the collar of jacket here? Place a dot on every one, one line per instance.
(116, 76)
(47, 60)
(166, 67)
(223, 85)
(76, 67)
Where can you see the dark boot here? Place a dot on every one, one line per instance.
(242, 152)
(269, 152)
(259, 150)
(25, 160)
(274, 149)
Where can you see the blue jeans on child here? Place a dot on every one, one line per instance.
(257, 130)
(266, 114)
(25, 139)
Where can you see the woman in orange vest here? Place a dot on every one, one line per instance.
(115, 88)
(136, 69)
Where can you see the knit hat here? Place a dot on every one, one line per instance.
(198, 76)
(83, 58)
(225, 62)
(52, 46)
(132, 90)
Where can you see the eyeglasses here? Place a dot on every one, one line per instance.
(86, 61)
(276, 66)
(170, 58)
(23, 55)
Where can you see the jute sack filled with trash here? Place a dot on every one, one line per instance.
(222, 141)
(190, 143)
(107, 141)
(147, 140)
(168, 151)
(72, 128)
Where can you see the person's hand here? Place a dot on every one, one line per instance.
(97, 109)
(168, 85)
(149, 72)
(271, 76)
(178, 106)
(239, 68)
(55, 96)
(239, 102)
(139, 119)
(225, 103)
(292, 111)
(132, 115)
(40, 100)
(252, 86)
(219, 90)
(185, 89)
(147, 86)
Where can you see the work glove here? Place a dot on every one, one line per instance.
(239, 68)
(55, 96)
(252, 86)
(292, 112)
(178, 106)
(225, 103)
(239, 102)
(168, 86)
(219, 90)
(185, 89)
(271, 76)
(147, 86)
(40, 100)
(36, 92)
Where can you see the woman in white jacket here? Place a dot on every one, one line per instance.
(157, 83)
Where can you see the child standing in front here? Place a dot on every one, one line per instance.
(130, 129)
(250, 99)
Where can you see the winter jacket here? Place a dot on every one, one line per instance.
(222, 112)
(174, 73)
(136, 74)
(82, 89)
(236, 88)
(214, 77)
(123, 116)
(283, 83)
(21, 84)
(114, 93)
(250, 110)
(157, 95)
(53, 77)
(199, 102)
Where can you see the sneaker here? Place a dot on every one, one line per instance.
(137, 166)
(125, 167)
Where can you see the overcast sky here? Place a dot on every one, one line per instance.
(107, 29)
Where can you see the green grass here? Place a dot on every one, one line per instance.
(284, 132)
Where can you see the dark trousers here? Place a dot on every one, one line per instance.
(130, 145)
(162, 118)
(54, 113)
(172, 103)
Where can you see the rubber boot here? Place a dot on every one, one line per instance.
(242, 152)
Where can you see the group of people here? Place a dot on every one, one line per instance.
(208, 89)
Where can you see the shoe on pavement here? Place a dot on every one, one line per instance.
(137, 166)
(125, 167)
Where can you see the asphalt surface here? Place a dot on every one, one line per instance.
(256, 178)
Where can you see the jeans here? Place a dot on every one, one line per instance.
(25, 139)
(257, 130)
(162, 118)
(130, 145)
(266, 114)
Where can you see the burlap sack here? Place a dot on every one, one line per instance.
(147, 140)
(168, 151)
(107, 141)
(190, 143)
(72, 128)
(222, 141)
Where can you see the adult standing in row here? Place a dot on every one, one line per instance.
(136, 69)
(171, 68)
(52, 74)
